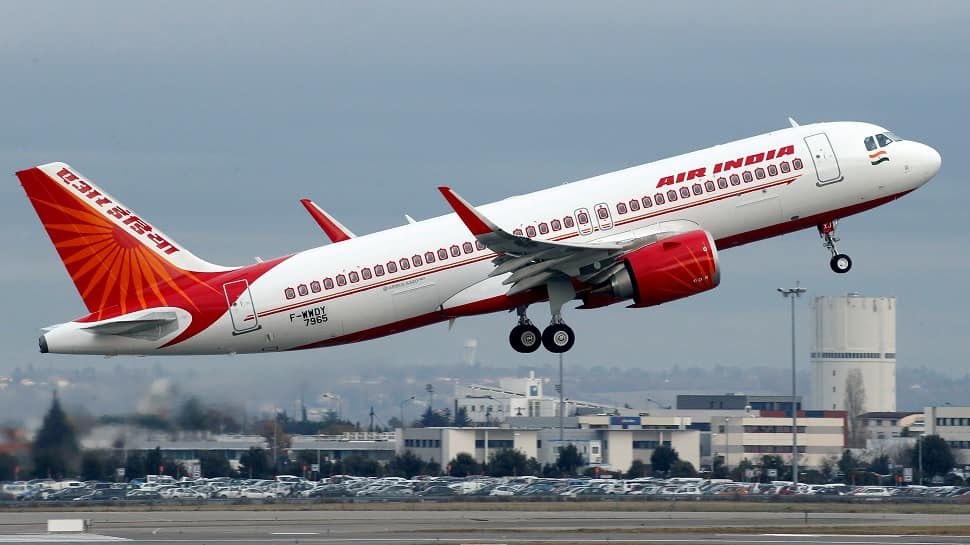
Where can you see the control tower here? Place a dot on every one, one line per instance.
(854, 333)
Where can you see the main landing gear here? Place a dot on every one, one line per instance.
(557, 337)
(839, 263)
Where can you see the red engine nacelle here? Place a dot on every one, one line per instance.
(667, 270)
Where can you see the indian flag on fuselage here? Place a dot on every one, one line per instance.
(878, 157)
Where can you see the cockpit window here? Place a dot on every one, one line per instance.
(870, 143)
(883, 140)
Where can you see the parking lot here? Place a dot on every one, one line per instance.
(345, 488)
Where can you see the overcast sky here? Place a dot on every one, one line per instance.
(212, 119)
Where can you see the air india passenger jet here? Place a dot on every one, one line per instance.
(645, 235)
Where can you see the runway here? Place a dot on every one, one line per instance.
(469, 527)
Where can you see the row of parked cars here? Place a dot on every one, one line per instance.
(161, 488)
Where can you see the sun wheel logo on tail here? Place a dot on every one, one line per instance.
(673, 268)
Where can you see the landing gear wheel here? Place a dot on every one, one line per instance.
(558, 338)
(840, 263)
(525, 338)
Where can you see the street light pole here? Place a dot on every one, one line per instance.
(403, 403)
(793, 293)
(562, 403)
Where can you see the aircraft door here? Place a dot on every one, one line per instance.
(826, 163)
(242, 311)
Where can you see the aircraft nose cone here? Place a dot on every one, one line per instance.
(929, 160)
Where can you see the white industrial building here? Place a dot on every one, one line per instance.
(514, 397)
(952, 423)
(854, 333)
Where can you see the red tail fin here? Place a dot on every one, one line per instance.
(117, 260)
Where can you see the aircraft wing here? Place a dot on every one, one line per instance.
(533, 262)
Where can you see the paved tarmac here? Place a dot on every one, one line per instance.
(464, 527)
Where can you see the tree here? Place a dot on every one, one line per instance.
(255, 464)
(740, 471)
(719, 469)
(356, 464)
(214, 464)
(99, 465)
(55, 451)
(682, 468)
(569, 460)
(506, 462)
(880, 464)
(461, 418)
(192, 415)
(937, 456)
(662, 458)
(637, 469)
(406, 464)
(435, 419)
(8, 467)
(847, 464)
(855, 405)
(773, 461)
(463, 465)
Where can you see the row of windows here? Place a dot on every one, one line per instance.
(709, 186)
(959, 444)
(649, 445)
(495, 443)
(772, 449)
(391, 267)
(422, 443)
(953, 421)
(853, 355)
(771, 429)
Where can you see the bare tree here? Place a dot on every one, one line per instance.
(855, 405)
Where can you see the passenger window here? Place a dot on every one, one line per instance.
(429, 257)
(647, 203)
(289, 293)
(870, 143)
(315, 286)
(341, 280)
(722, 182)
(417, 261)
(796, 164)
(517, 232)
(365, 273)
(684, 192)
(671, 195)
(379, 270)
(709, 185)
(772, 170)
(583, 218)
(658, 198)
(457, 252)
(327, 284)
(568, 222)
(480, 246)
(301, 289)
(556, 225)
(747, 176)
(696, 188)
(621, 208)
(785, 167)
(883, 140)
(530, 231)
(735, 179)
(442, 254)
(635, 205)
(354, 277)
(404, 263)
(759, 173)
(468, 248)
(543, 229)
(391, 267)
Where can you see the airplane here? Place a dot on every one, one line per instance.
(644, 236)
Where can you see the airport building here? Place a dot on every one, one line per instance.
(821, 434)
(514, 397)
(952, 423)
(854, 337)
(737, 402)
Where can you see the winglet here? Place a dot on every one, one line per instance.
(477, 223)
(333, 228)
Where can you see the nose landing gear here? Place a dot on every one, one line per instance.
(840, 263)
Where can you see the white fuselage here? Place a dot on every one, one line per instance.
(300, 303)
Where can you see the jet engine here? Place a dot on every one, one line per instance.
(669, 269)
